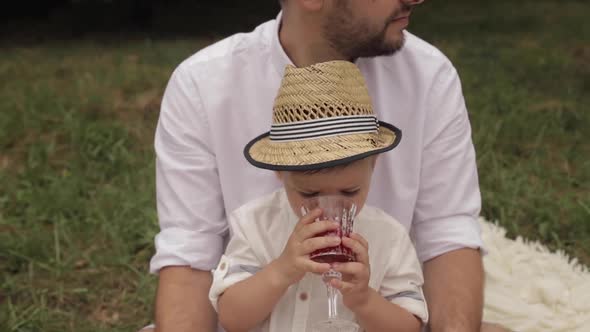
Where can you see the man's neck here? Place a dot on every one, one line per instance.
(303, 43)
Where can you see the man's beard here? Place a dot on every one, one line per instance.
(355, 40)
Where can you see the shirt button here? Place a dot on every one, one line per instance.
(303, 296)
(222, 266)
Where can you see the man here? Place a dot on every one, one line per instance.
(218, 98)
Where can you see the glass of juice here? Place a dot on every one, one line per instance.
(343, 211)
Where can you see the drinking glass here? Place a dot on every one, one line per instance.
(342, 210)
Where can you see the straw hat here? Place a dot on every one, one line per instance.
(322, 117)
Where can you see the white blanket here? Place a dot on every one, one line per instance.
(529, 288)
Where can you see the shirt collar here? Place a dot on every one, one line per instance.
(280, 58)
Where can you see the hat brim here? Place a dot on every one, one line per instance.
(320, 153)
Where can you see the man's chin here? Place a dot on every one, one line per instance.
(379, 47)
(391, 48)
(385, 50)
(397, 41)
(397, 44)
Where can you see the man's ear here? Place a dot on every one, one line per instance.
(280, 176)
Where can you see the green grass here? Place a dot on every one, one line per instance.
(77, 210)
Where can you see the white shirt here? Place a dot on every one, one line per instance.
(260, 230)
(222, 97)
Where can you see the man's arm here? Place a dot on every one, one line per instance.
(190, 210)
(182, 302)
(454, 291)
(447, 211)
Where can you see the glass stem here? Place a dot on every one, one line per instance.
(332, 292)
(332, 301)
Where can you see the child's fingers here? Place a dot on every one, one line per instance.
(316, 228)
(341, 285)
(320, 242)
(361, 239)
(361, 252)
(307, 219)
(356, 269)
(310, 266)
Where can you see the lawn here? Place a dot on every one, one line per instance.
(77, 211)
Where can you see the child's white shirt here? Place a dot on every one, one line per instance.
(259, 231)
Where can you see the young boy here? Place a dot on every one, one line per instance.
(324, 141)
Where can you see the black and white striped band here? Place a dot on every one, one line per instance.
(303, 130)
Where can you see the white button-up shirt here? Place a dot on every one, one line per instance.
(260, 230)
(222, 97)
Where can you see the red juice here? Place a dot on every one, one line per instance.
(337, 254)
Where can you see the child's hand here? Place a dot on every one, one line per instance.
(294, 262)
(354, 285)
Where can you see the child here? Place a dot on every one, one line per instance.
(324, 141)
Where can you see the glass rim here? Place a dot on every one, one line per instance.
(305, 204)
(329, 197)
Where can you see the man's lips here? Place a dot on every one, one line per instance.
(406, 17)
(400, 22)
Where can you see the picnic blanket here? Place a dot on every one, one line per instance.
(531, 289)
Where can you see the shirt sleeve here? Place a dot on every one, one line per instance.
(189, 199)
(403, 280)
(238, 263)
(449, 201)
